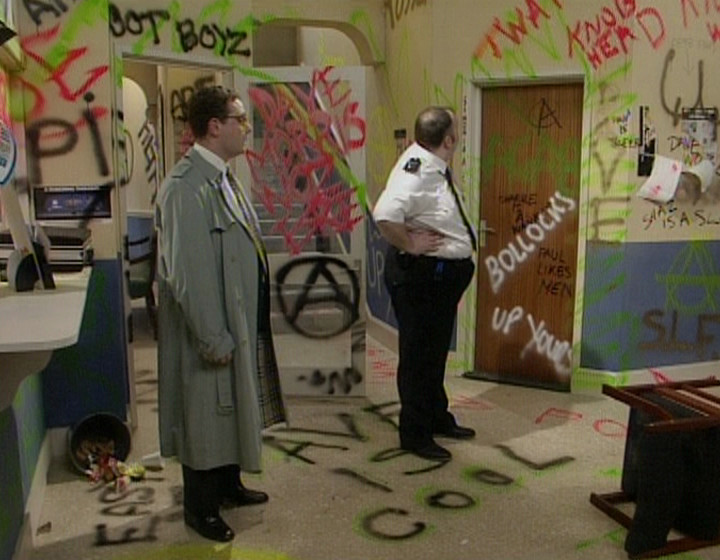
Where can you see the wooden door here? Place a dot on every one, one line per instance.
(529, 183)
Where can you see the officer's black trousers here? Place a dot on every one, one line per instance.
(425, 292)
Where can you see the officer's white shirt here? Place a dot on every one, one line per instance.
(422, 199)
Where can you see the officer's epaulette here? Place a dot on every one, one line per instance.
(412, 165)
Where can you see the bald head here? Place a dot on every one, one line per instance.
(433, 125)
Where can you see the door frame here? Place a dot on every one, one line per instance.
(471, 157)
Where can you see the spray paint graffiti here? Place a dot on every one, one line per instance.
(617, 429)
(129, 535)
(308, 132)
(211, 37)
(609, 211)
(504, 154)
(134, 503)
(545, 344)
(148, 141)
(224, 41)
(60, 129)
(669, 216)
(35, 8)
(514, 31)
(525, 243)
(446, 499)
(56, 72)
(401, 8)
(134, 23)
(370, 520)
(179, 97)
(328, 281)
(363, 479)
(610, 34)
(676, 110)
(554, 273)
(654, 320)
(541, 341)
(547, 116)
(510, 454)
(711, 9)
(334, 381)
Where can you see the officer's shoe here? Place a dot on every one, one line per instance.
(431, 451)
(457, 432)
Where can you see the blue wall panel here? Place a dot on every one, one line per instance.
(378, 298)
(30, 418)
(651, 304)
(11, 488)
(91, 376)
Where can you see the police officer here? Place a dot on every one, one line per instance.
(428, 267)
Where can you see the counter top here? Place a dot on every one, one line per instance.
(43, 320)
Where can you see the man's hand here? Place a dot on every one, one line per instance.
(416, 241)
(424, 241)
(222, 361)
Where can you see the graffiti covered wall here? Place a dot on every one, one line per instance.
(67, 99)
(648, 91)
(645, 277)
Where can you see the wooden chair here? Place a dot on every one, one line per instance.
(142, 257)
(671, 468)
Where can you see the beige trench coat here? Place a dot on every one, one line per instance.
(208, 281)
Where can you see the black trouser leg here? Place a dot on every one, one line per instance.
(418, 376)
(201, 491)
(446, 313)
(229, 480)
(424, 294)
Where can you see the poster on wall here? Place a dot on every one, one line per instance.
(8, 153)
(648, 143)
(700, 127)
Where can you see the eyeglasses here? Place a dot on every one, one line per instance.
(240, 119)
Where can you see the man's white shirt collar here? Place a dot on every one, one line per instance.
(430, 158)
(211, 157)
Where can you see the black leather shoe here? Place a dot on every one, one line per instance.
(430, 451)
(457, 432)
(210, 527)
(245, 497)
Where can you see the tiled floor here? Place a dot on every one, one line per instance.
(339, 489)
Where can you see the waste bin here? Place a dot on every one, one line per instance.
(95, 436)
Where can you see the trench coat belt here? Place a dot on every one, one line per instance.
(224, 389)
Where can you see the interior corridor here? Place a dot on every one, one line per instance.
(341, 490)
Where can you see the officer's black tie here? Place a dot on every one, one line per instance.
(461, 208)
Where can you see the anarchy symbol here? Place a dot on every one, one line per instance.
(312, 292)
(547, 117)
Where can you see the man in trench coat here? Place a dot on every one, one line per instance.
(218, 379)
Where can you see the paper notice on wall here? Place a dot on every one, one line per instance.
(663, 181)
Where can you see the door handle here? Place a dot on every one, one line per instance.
(483, 229)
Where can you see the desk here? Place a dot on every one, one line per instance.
(33, 324)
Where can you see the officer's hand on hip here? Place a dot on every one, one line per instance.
(423, 241)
